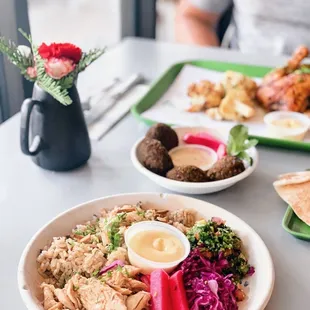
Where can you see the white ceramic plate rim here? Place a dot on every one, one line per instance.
(196, 185)
(32, 304)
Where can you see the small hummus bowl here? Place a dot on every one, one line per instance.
(146, 265)
(287, 125)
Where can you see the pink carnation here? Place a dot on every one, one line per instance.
(32, 72)
(57, 68)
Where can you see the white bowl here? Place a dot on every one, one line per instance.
(147, 265)
(295, 134)
(193, 188)
(260, 284)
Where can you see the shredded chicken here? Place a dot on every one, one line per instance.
(124, 208)
(181, 227)
(64, 298)
(132, 271)
(73, 296)
(96, 295)
(86, 239)
(133, 217)
(118, 254)
(71, 265)
(183, 216)
(49, 301)
(123, 279)
(138, 301)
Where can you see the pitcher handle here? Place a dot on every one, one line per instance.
(36, 145)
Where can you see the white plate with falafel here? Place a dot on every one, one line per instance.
(195, 160)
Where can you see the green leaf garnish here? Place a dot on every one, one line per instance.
(95, 273)
(119, 268)
(245, 156)
(71, 242)
(90, 230)
(141, 213)
(239, 142)
(112, 227)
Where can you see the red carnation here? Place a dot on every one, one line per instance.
(60, 50)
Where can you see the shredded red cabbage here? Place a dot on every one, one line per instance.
(251, 271)
(205, 287)
(109, 267)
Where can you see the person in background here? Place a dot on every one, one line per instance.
(268, 26)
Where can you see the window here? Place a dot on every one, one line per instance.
(87, 23)
(166, 10)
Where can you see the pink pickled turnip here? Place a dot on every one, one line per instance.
(146, 280)
(221, 151)
(160, 290)
(203, 138)
(177, 292)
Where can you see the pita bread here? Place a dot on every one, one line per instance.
(294, 189)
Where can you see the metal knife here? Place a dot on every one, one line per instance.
(86, 105)
(109, 100)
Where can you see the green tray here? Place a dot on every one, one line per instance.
(162, 84)
(296, 227)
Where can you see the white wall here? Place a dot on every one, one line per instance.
(86, 23)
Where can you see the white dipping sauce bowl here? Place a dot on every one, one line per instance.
(295, 134)
(146, 265)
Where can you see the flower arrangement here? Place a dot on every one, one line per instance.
(53, 67)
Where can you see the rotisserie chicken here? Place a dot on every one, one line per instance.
(287, 88)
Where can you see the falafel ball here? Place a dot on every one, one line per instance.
(154, 156)
(165, 134)
(225, 168)
(187, 174)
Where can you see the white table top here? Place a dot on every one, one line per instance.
(30, 196)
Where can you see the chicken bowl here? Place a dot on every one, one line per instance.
(45, 283)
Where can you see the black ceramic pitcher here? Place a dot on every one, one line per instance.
(58, 134)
